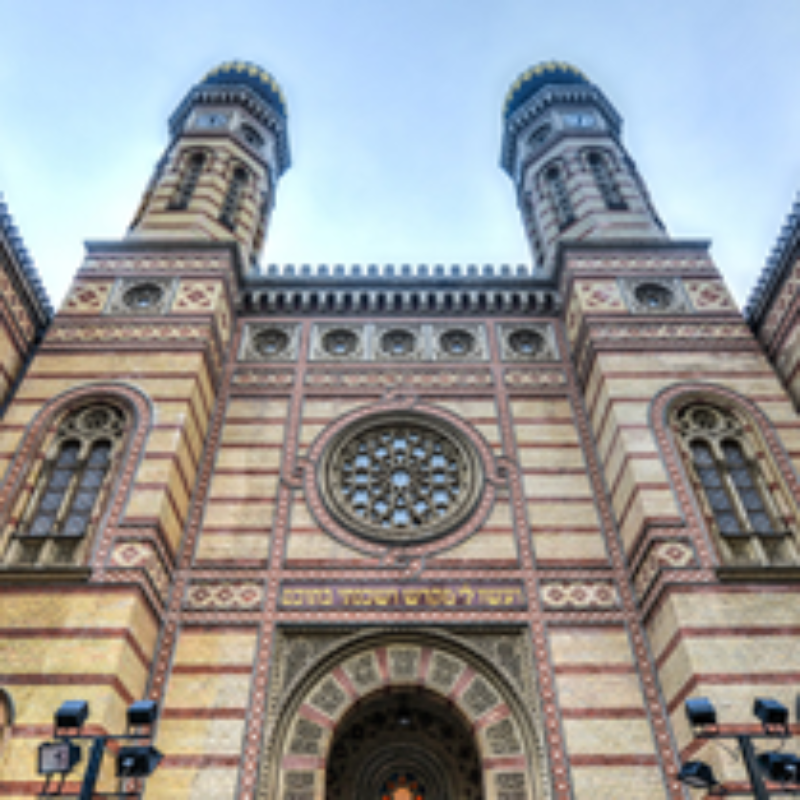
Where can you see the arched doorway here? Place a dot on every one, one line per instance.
(338, 733)
(403, 745)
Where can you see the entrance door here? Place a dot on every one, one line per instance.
(403, 745)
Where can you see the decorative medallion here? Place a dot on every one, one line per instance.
(402, 478)
(340, 342)
(274, 342)
(143, 297)
(135, 296)
(531, 342)
(397, 342)
(654, 295)
(459, 343)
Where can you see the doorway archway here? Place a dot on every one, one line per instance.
(403, 744)
(438, 683)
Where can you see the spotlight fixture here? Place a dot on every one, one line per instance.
(774, 716)
(698, 775)
(780, 767)
(142, 713)
(58, 757)
(137, 761)
(72, 714)
(700, 712)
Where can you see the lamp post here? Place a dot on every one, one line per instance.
(136, 759)
(772, 766)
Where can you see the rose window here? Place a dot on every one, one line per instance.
(398, 342)
(457, 342)
(526, 342)
(340, 342)
(653, 296)
(143, 296)
(404, 478)
(271, 342)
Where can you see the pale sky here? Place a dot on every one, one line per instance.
(394, 117)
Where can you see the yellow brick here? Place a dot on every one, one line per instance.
(606, 783)
(590, 646)
(210, 648)
(608, 736)
(599, 691)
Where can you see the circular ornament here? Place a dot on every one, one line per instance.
(143, 296)
(400, 478)
(271, 342)
(653, 296)
(397, 342)
(457, 342)
(526, 342)
(339, 342)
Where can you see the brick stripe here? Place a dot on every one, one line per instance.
(68, 679)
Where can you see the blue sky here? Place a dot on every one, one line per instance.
(394, 117)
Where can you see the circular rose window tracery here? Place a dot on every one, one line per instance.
(403, 478)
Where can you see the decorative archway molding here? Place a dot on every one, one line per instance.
(508, 732)
(757, 423)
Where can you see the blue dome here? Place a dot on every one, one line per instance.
(547, 74)
(243, 73)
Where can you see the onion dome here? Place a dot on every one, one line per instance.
(243, 73)
(548, 73)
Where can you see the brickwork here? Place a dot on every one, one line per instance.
(559, 622)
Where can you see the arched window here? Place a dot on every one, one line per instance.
(609, 190)
(532, 226)
(189, 180)
(233, 198)
(67, 498)
(732, 486)
(559, 194)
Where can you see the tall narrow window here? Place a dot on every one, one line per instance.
(233, 198)
(6, 720)
(559, 194)
(66, 501)
(732, 487)
(532, 226)
(189, 181)
(609, 190)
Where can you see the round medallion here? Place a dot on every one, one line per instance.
(143, 296)
(402, 478)
(339, 342)
(271, 342)
(457, 342)
(653, 296)
(398, 342)
(526, 342)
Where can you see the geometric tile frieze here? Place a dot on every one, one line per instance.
(579, 595)
(224, 595)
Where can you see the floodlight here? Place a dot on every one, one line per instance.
(58, 757)
(142, 712)
(771, 713)
(700, 712)
(698, 775)
(72, 714)
(780, 767)
(137, 761)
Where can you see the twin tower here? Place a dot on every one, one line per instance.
(561, 147)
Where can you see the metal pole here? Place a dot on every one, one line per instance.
(753, 772)
(93, 768)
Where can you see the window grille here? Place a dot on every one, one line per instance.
(733, 488)
(605, 181)
(559, 194)
(233, 198)
(189, 181)
(67, 498)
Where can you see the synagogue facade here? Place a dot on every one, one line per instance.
(452, 533)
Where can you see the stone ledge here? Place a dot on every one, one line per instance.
(786, 574)
(44, 574)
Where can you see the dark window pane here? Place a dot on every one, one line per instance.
(75, 525)
(99, 455)
(42, 525)
(702, 454)
(68, 455)
(728, 523)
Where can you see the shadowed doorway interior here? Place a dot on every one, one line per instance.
(405, 745)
